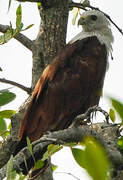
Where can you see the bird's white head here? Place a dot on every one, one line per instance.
(95, 23)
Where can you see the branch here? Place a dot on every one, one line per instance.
(29, 1)
(81, 6)
(105, 133)
(119, 29)
(28, 90)
(19, 37)
(68, 174)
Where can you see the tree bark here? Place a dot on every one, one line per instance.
(50, 40)
(51, 37)
(106, 134)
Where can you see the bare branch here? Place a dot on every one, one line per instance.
(3, 80)
(74, 134)
(81, 6)
(19, 37)
(78, 5)
(119, 29)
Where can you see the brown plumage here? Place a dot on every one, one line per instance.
(72, 82)
(67, 87)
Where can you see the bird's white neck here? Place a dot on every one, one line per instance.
(104, 36)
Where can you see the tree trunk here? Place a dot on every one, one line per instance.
(50, 40)
(51, 37)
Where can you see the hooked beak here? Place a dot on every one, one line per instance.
(82, 20)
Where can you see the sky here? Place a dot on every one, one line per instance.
(16, 62)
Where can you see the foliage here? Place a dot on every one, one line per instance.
(5, 97)
(118, 107)
(10, 33)
(51, 150)
(93, 158)
(10, 173)
(112, 115)
(29, 145)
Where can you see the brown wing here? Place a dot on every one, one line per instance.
(67, 87)
(47, 75)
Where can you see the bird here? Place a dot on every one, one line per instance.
(73, 81)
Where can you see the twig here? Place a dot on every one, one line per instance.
(19, 37)
(81, 6)
(68, 174)
(108, 17)
(78, 5)
(3, 80)
(1, 134)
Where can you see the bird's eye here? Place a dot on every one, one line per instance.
(93, 17)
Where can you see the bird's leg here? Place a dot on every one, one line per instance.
(86, 117)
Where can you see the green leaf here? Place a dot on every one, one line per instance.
(10, 173)
(112, 115)
(19, 24)
(9, 126)
(7, 113)
(19, 11)
(71, 144)
(11, 32)
(54, 167)
(51, 150)
(39, 5)
(21, 177)
(4, 134)
(79, 156)
(39, 164)
(3, 126)
(118, 106)
(29, 145)
(93, 159)
(7, 36)
(120, 142)
(6, 97)
(28, 27)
